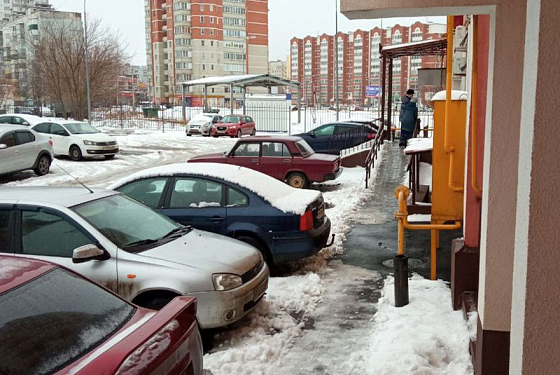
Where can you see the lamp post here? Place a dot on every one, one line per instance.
(88, 88)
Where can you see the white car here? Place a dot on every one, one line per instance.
(21, 119)
(78, 139)
(202, 124)
(136, 252)
(21, 149)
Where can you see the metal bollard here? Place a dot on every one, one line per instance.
(400, 263)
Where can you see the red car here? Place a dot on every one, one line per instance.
(54, 321)
(288, 159)
(234, 126)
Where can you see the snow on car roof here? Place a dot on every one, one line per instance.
(285, 198)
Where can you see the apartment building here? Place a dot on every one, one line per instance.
(191, 39)
(313, 62)
(13, 8)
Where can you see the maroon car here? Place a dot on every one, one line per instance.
(288, 159)
(53, 321)
(234, 126)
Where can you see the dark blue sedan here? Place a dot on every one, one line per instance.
(334, 137)
(236, 202)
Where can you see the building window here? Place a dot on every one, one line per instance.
(201, 19)
(211, 31)
(202, 32)
(202, 7)
(211, 19)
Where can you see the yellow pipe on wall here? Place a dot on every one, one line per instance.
(474, 176)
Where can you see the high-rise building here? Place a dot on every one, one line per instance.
(313, 61)
(189, 40)
(14, 8)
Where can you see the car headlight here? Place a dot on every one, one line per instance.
(90, 143)
(226, 281)
(206, 126)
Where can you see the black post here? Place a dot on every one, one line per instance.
(401, 280)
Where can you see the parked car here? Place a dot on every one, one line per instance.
(236, 202)
(136, 252)
(234, 126)
(54, 321)
(21, 119)
(334, 137)
(202, 124)
(21, 149)
(78, 139)
(288, 159)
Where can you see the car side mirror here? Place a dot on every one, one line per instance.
(25, 123)
(3, 146)
(89, 252)
(312, 134)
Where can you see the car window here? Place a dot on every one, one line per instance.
(236, 198)
(248, 119)
(148, 191)
(247, 150)
(23, 137)
(58, 130)
(5, 119)
(42, 128)
(4, 229)
(304, 148)
(8, 139)
(54, 319)
(17, 120)
(231, 119)
(346, 130)
(196, 193)
(324, 131)
(43, 233)
(275, 149)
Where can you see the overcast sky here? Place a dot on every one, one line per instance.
(287, 18)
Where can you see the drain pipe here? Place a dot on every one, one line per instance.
(474, 98)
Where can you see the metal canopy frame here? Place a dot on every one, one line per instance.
(388, 53)
(243, 81)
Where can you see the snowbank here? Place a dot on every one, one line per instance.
(424, 337)
(278, 194)
(419, 145)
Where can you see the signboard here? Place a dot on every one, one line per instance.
(373, 91)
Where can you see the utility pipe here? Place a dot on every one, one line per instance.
(450, 150)
(474, 103)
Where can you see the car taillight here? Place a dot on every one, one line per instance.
(370, 136)
(306, 221)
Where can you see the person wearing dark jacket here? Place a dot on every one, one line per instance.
(408, 117)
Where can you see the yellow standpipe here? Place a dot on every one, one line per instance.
(402, 193)
(450, 150)
(474, 98)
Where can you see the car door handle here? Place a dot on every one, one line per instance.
(287, 160)
(255, 160)
(217, 219)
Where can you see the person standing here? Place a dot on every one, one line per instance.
(408, 117)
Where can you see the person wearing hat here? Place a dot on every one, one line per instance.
(408, 117)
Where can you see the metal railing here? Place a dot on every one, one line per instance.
(373, 152)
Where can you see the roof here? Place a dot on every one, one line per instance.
(63, 196)
(24, 116)
(292, 138)
(16, 271)
(263, 80)
(455, 95)
(422, 48)
(8, 127)
(280, 195)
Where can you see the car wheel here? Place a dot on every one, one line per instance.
(109, 157)
(254, 132)
(188, 135)
(155, 303)
(75, 153)
(43, 165)
(262, 248)
(297, 180)
(239, 134)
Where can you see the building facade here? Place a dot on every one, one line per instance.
(313, 62)
(188, 40)
(15, 8)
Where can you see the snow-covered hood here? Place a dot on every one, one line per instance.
(208, 252)
(95, 137)
(200, 122)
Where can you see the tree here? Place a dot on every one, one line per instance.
(58, 70)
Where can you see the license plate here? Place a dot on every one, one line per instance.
(108, 148)
(321, 213)
(195, 126)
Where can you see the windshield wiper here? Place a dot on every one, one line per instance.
(178, 231)
(141, 243)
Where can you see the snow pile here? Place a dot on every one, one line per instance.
(425, 337)
(271, 330)
(416, 145)
(278, 194)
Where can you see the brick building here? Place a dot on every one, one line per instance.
(203, 38)
(313, 63)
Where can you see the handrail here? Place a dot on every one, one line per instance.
(474, 98)
(450, 150)
(372, 155)
(402, 193)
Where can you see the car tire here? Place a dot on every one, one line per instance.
(239, 134)
(297, 180)
(188, 135)
(262, 248)
(75, 153)
(254, 132)
(109, 157)
(156, 303)
(42, 166)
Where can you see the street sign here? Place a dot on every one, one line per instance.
(372, 91)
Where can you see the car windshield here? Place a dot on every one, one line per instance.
(53, 320)
(230, 119)
(81, 128)
(304, 148)
(202, 118)
(127, 223)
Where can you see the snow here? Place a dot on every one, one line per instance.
(416, 145)
(419, 218)
(277, 193)
(455, 95)
(424, 337)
